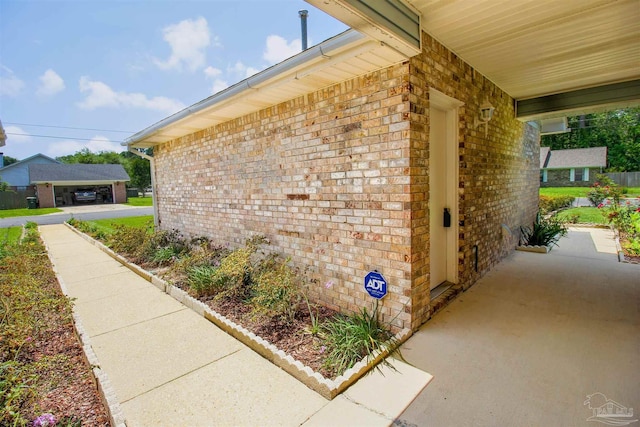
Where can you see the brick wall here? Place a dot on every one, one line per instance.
(335, 179)
(561, 178)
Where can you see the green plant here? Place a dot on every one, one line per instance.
(603, 189)
(16, 393)
(544, 232)
(553, 203)
(349, 339)
(203, 279)
(276, 289)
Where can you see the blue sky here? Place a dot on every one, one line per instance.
(123, 65)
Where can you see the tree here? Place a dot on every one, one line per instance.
(8, 160)
(4, 186)
(618, 130)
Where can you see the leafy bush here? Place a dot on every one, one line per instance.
(202, 279)
(349, 339)
(276, 289)
(553, 203)
(127, 240)
(162, 245)
(544, 232)
(604, 188)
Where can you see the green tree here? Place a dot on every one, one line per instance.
(4, 186)
(8, 160)
(618, 130)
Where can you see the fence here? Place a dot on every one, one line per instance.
(625, 179)
(15, 199)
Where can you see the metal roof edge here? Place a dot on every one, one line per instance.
(260, 79)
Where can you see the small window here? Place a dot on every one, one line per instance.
(543, 175)
(578, 175)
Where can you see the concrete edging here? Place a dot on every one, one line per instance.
(315, 381)
(101, 380)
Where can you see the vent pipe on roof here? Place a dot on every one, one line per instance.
(303, 26)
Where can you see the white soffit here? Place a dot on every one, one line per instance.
(343, 57)
(532, 48)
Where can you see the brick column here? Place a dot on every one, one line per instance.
(119, 192)
(45, 195)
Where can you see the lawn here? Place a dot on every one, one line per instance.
(107, 225)
(140, 201)
(581, 191)
(585, 215)
(9, 213)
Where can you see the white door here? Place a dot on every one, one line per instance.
(443, 188)
(437, 197)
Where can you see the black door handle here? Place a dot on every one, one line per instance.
(446, 220)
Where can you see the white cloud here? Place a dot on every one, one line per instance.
(188, 40)
(212, 72)
(10, 85)
(100, 95)
(242, 71)
(98, 143)
(218, 83)
(50, 83)
(16, 134)
(278, 49)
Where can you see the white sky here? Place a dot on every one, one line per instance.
(124, 65)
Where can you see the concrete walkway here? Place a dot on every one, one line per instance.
(168, 366)
(530, 341)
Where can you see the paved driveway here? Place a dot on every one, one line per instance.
(527, 344)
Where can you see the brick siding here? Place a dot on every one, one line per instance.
(338, 180)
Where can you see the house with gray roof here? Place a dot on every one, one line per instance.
(56, 184)
(575, 167)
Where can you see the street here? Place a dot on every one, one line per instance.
(79, 212)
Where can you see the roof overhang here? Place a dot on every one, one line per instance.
(340, 58)
(531, 49)
(72, 183)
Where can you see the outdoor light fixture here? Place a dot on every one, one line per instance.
(486, 113)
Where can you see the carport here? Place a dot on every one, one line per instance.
(58, 184)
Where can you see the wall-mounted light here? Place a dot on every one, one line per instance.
(486, 113)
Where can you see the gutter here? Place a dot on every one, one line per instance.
(322, 50)
(152, 163)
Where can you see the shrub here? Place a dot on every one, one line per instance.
(276, 289)
(604, 188)
(127, 240)
(162, 246)
(544, 232)
(553, 203)
(351, 338)
(202, 279)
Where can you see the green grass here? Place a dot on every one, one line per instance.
(585, 215)
(581, 191)
(10, 213)
(107, 225)
(10, 235)
(140, 201)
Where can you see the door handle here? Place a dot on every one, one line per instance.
(446, 219)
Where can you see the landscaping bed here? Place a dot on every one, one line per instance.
(259, 298)
(44, 376)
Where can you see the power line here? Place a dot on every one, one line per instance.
(57, 137)
(66, 127)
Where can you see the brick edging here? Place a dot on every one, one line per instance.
(315, 381)
(100, 378)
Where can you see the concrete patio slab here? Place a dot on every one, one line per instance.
(531, 340)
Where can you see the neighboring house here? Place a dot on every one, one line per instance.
(371, 152)
(17, 174)
(576, 167)
(56, 183)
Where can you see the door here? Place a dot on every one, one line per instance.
(438, 196)
(443, 188)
